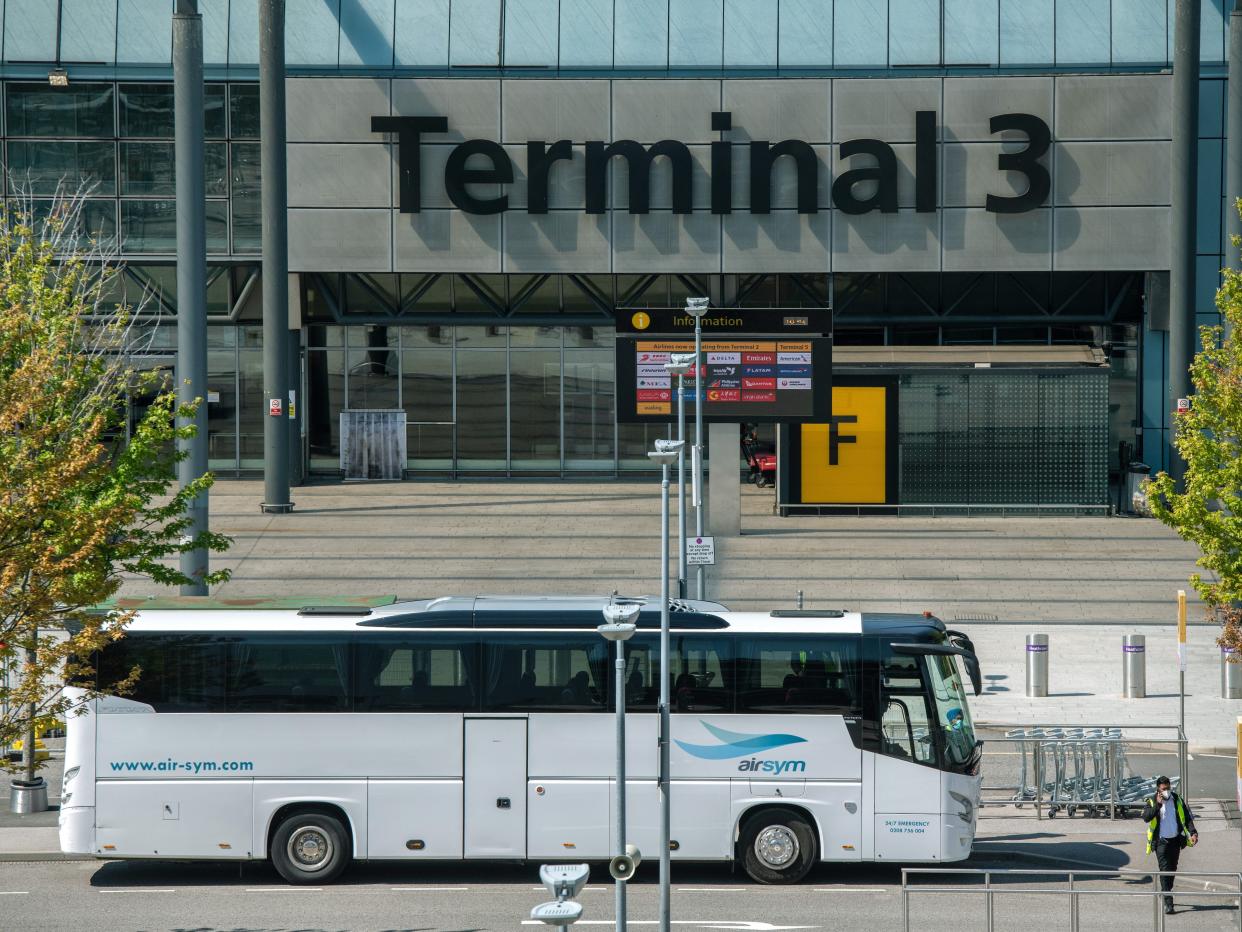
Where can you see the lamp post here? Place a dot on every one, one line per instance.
(679, 364)
(619, 627)
(666, 453)
(696, 308)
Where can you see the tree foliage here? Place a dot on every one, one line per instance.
(1208, 510)
(82, 505)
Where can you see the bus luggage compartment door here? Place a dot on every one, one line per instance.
(495, 794)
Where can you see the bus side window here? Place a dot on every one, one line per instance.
(905, 725)
(409, 674)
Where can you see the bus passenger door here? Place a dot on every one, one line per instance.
(495, 791)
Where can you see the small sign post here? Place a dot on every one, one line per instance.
(1181, 664)
(274, 407)
(701, 551)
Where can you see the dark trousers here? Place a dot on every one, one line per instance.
(1168, 852)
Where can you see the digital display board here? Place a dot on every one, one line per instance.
(743, 379)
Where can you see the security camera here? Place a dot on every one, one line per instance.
(697, 307)
(557, 913)
(669, 446)
(624, 866)
(564, 880)
(623, 613)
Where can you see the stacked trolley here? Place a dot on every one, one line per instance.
(1086, 769)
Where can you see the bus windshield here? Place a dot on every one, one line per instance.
(952, 712)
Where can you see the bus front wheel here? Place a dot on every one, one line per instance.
(310, 847)
(777, 846)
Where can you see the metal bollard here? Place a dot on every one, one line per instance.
(1037, 665)
(1230, 675)
(1134, 666)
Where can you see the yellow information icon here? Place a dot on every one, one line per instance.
(641, 320)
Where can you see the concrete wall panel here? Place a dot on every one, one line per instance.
(445, 241)
(1090, 174)
(651, 110)
(472, 105)
(335, 109)
(784, 240)
(876, 242)
(974, 240)
(665, 242)
(339, 240)
(881, 108)
(431, 169)
(776, 109)
(552, 110)
(1104, 238)
(558, 241)
(970, 104)
(340, 175)
(1114, 107)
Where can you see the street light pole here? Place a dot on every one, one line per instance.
(679, 364)
(666, 452)
(697, 307)
(619, 626)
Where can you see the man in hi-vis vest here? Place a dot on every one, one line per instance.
(1170, 827)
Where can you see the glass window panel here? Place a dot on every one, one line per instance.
(566, 674)
(251, 407)
(750, 28)
(481, 409)
(1211, 107)
(151, 226)
(214, 106)
(590, 336)
(217, 290)
(147, 168)
(430, 294)
(914, 32)
(586, 292)
(222, 336)
(1208, 193)
(244, 111)
(45, 166)
(531, 32)
(860, 33)
(586, 34)
(222, 412)
(87, 31)
(427, 396)
(486, 295)
(215, 32)
(366, 33)
(243, 36)
(30, 31)
(146, 110)
(247, 210)
(433, 336)
(288, 673)
(640, 33)
(700, 668)
(970, 32)
(544, 299)
(404, 674)
(805, 33)
(143, 32)
(1139, 31)
(589, 403)
(370, 295)
(695, 33)
(179, 673)
(798, 675)
(374, 370)
(1026, 32)
(474, 32)
(422, 33)
(1082, 32)
(97, 218)
(77, 110)
(535, 404)
(312, 32)
(534, 337)
(325, 378)
(1211, 30)
(482, 337)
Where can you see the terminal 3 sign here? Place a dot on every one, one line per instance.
(881, 176)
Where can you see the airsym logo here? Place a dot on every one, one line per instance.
(880, 176)
(738, 744)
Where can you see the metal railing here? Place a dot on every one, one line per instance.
(989, 891)
(1081, 767)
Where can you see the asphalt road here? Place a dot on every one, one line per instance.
(169, 897)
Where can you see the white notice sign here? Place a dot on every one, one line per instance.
(701, 551)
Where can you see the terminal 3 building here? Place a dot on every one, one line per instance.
(971, 196)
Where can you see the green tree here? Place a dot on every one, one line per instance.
(82, 505)
(1208, 510)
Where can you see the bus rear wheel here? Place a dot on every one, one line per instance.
(777, 846)
(310, 848)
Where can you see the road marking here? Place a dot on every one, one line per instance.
(428, 889)
(849, 890)
(584, 889)
(284, 889)
(14, 892)
(144, 890)
(711, 889)
(732, 925)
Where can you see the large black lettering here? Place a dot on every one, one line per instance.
(409, 132)
(1038, 182)
(883, 173)
(638, 159)
(763, 156)
(539, 159)
(722, 165)
(925, 161)
(457, 176)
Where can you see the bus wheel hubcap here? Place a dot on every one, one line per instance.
(777, 845)
(310, 848)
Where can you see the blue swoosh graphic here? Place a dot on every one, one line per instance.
(735, 743)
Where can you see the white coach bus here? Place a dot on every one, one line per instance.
(476, 728)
